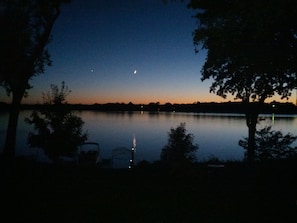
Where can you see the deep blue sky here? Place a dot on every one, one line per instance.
(98, 44)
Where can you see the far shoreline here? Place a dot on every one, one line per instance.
(199, 107)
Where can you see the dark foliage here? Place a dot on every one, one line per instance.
(272, 145)
(58, 131)
(251, 46)
(251, 51)
(25, 32)
(180, 147)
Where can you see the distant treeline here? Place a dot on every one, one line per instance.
(222, 107)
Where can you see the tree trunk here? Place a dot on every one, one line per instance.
(251, 120)
(252, 112)
(10, 143)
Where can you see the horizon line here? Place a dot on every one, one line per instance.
(197, 102)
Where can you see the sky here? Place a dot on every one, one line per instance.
(137, 51)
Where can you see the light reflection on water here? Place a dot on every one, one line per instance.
(216, 134)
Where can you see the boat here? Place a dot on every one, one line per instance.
(89, 153)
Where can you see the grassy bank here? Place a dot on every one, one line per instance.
(235, 193)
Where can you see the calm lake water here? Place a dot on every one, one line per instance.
(216, 134)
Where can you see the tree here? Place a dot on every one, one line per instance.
(272, 145)
(57, 130)
(251, 51)
(180, 148)
(25, 31)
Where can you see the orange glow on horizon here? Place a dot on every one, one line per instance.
(182, 99)
(145, 100)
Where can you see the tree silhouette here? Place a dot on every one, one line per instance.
(251, 51)
(25, 31)
(57, 130)
(180, 148)
(272, 145)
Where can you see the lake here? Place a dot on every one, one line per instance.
(216, 134)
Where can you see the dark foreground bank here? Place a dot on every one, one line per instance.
(234, 193)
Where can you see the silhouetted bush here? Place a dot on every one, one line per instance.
(272, 145)
(57, 130)
(180, 150)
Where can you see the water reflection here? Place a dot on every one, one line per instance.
(216, 134)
